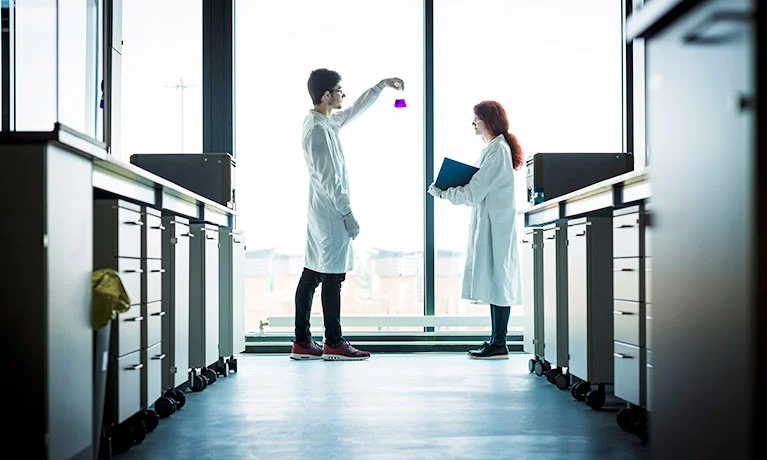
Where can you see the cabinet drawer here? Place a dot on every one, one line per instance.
(154, 315)
(649, 326)
(626, 235)
(626, 317)
(128, 385)
(153, 235)
(130, 274)
(154, 273)
(116, 231)
(626, 279)
(127, 330)
(152, 385)
(628, 362)
(648, 280)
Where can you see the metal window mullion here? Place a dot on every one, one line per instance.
(428, 18)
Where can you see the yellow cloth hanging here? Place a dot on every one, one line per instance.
(109, 297)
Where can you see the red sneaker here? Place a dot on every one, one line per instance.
(343, 351)
(306, 350)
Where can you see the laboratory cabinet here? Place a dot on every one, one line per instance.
(175, 301)
(151, 306)
(708, 220)
(48, 339)
(555, 309)
(590, 307)
(630, 256)
(204, 296)
(117, 237)
(231, 296)
(532, 269)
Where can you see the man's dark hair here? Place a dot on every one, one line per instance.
(321, 80)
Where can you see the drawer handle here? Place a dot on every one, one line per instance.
(134, 222)
(210, 237)
(190, 235)
(625, 270)
(618, 312)
(626, 226)
(158, 270)
(583, 233)
(159, 313)
(697, 34)
(650, 366)
(158, 227)
(137, 319)
(134, 367)
(525, 241)
(133, 270)
(159, 357)
(237, 241)
(551, 237)
(622, 356)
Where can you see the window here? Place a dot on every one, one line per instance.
(559, 80)
(278, 44)
(162, 77)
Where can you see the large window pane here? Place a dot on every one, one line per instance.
(559, 80)
(162, 77)
(35, 65)
(278, 44)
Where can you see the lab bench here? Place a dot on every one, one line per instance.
(72, 209)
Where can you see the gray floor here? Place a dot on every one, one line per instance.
(392, 407)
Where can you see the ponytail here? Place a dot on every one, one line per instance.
(517, 156)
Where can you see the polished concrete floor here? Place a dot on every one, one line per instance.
(418, 406)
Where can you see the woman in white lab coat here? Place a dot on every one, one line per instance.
(492, 273)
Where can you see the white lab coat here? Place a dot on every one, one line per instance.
(328, 245)
(492, 274)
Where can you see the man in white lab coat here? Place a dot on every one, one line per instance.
(331, 223)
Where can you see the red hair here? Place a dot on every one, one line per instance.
(494, 116)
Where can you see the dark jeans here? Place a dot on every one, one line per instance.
(500, 319)
(331, 304)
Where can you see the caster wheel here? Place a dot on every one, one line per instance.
(595, 399)
(151, 419)
(538, 369)
(210, 374)
(626, 419)
(562, 381)
(552, 375)
(232, 364)
(138, 429)
(198, 383)
(121, 438)
(579, 390)
(546, 367)
(220, 369)
(531, 365)
(178, 396)
(165, 407)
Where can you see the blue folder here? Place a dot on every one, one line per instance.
(453, 174)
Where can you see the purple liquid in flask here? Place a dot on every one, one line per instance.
(400, 103)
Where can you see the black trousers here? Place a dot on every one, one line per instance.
(499, 316)
(331, 304)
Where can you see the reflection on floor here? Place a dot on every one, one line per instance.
(421, 406)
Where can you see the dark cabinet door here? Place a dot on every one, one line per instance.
(700, 134)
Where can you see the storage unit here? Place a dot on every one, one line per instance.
(590, 307)
(232, 294)
(532, 293)
(705, 129)
(554, 298)
(204, 296)
(151, 306)
(175, 301)
(630, 315)
(117, 226)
